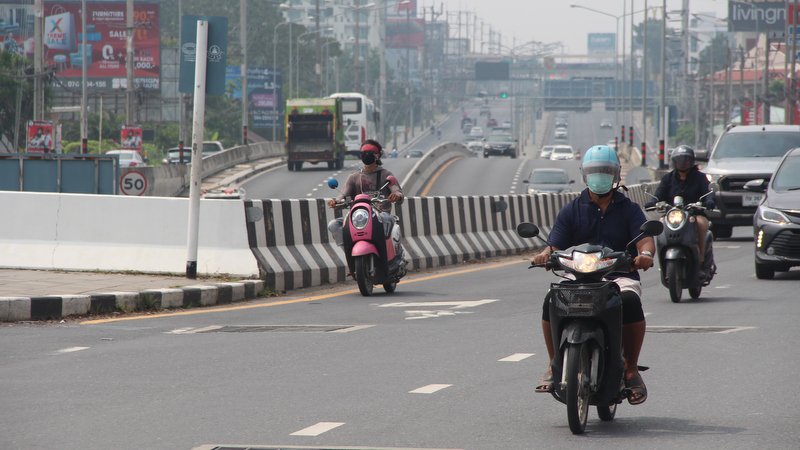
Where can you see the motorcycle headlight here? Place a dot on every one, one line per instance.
(773, 215)
(675, 218)
(359, 218)
(586, 262)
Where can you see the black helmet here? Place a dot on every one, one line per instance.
(682, 157)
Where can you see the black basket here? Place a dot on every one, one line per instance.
(582, 300)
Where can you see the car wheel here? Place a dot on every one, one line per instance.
(764, 272)
(485, 155)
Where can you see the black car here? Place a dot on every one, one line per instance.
(501, 145)
(777, 219)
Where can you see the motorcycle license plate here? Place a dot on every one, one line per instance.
(752, 199)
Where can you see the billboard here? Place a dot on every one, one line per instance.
(264, 104)
(492, 70)
(403, 33)
(106, 41)
(604, 43)
(406, 8)
(756, 16)
(40, 137)
(130, 138)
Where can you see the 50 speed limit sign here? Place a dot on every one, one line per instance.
(133, 183)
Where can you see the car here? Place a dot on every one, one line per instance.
(415, 153)
(506, 124)
(209, 148)
(500, 145)
(562, 153)
(776, 223)
(476, 132)
(548, 180)
(547, 150)
(476, 147)
(606, 124)
(485, 111)
(561, 123)
(128, 158)
(741, 154)
(492, 122)
(560, 133)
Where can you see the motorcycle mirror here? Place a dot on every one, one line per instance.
(333, 183)
(652, 228)
(527, 230)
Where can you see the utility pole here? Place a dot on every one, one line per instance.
(382, 74)
(356, 49)
(791, 101)
(243, 44)
(129, 119)
(644, 81)
(662, 104)
(38, 52)
(318, 64)
(84, 119)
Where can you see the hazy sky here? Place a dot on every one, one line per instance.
(554, 20)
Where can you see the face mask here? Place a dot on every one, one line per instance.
(368, 158)
(600, 183)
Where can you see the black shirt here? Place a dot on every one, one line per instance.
(691, 189)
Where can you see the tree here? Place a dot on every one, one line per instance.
(716, 52)
(13, 83)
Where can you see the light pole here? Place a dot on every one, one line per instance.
(297, 59)
(275, 75)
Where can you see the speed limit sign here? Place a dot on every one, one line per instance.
(133, 183)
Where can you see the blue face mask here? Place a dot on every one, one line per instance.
(600, 183)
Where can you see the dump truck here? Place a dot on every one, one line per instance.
(314, 132)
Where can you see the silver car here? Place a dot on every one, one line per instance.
(548, 181)
(562, 153)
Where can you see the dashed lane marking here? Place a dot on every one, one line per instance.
(317, 429)
(516, 357)
(430, 389)
(71, 350)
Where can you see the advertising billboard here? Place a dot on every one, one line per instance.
(130, 138)
(40, 137)
(106, 41)
(602, 43)
(756, 16)
(263, 102)
(405, 33)
(406, 8)
(492, 70)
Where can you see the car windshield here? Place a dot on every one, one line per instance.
(499, 138)
(562, 150)
(788, 175)
(759, 144)
(548, 177)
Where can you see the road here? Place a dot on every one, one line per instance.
(448, 361)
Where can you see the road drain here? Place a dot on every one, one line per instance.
(707, 329)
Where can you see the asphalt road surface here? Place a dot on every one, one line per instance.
(448, 361)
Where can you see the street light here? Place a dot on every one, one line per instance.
(297, 59)
(274, 73)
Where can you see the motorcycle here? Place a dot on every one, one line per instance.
(586, 325)
(371, 240)
(677, 251)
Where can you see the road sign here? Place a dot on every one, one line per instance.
(133, 183)
(216, 53)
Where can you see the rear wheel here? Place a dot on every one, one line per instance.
(390, 287)
(607, 412)
(290, 165)
(331, 164)
(674, 281)
(298, 165)
(695, 292)
(364, 274)
(764, 272)
(578, 375)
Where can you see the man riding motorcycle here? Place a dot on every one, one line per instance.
(687, 181)
(365, 180)
(602, 215)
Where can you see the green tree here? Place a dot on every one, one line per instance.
(14, 83)
(685, 135)
(716, 52)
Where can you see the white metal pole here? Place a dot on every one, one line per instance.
(129, 119)
(84, 123)
(198, 129)
(243, 39)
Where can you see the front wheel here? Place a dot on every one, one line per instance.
(578, 376)
(695, 292)
(607, 412)
(364, 274)
(674, 281)
(390, 287)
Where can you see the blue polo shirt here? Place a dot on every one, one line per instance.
(581, 222)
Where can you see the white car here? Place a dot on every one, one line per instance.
(560, 133)
(547, 150)
(476, 132)
(128, 158)
(562, 153)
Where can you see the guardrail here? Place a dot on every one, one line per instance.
(419, 175)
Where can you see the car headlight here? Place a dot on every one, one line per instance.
(487, 147)
(675, 218)
(586, 262)
(359, 218)
(773, 215)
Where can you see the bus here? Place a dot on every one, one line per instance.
(361, 120)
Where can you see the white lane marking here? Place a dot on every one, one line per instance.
(415, 315)
(455, 305)
(734, 330)
(194, 330)
(178, 331)
(724, 286)
(353, 328)
(430, 389)
(316, 430)
(728, 246)
(516, 357)
(714, 329)
(71, 350)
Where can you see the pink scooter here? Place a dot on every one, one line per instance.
(371, 241)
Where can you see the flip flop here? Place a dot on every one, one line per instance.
(638, 391)
(545, 385)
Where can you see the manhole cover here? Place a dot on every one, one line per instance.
(282, 328)
(707, 329)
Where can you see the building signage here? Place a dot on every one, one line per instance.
(605, 43)
(756, 16)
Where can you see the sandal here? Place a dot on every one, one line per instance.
(545, 385)
(637, 390)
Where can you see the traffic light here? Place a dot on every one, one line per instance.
(504, 94)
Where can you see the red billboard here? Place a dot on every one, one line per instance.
(405, 33)
(106, 41)
(130, 138)
(40, 137)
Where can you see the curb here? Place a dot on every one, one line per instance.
(49, 307)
